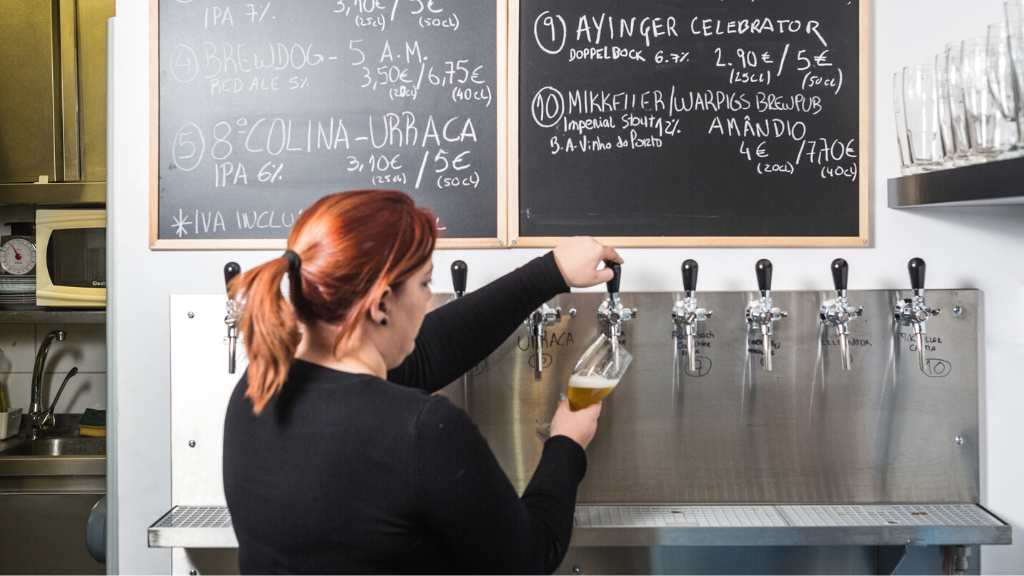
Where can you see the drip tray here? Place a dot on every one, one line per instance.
(746, 525)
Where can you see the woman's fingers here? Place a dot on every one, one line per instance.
(609, 254)
(579, 259)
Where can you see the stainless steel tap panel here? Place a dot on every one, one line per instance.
(807, 432)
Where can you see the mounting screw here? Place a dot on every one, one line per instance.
(151, 245)
(958, 310)
(193, 572)
(577, 570)
(191, 314)
(572, 312)
(513, 241)
(501, 242)
(959, 440)
(191, 443)
(864, 241)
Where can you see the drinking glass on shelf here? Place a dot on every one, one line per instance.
(989, 131)
(1002, 84)
(1015, 34)
(945, 120)
(957, 106)
(920, 106)
(901, 124)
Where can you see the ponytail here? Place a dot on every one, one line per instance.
(269, 328)
(343, 252)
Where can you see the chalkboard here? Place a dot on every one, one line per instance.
(696, 122)
(262, 107)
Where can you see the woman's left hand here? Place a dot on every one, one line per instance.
(578, 260)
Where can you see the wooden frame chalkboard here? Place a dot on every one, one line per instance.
(858, 204)
(500, 92)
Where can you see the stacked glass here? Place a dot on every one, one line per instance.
(963, 106)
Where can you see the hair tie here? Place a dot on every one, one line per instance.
(294, 262)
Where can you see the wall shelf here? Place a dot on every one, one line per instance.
(53, 317)
(995, 183)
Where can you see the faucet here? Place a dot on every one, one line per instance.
(686, 314)
(612, 313)
(45, 420)
(760, 313)
(37, 373)
(838, 313)
(913, 311)
(232, 269)
(538, 320)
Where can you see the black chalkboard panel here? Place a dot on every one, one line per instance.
(265, 107)
(723, 122)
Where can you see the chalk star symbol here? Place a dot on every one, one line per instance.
(180, 221)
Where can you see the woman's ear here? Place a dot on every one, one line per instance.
(381, 305)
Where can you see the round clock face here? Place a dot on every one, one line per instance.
(18, 256)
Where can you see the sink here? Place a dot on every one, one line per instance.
(60, 462)
(73, 446)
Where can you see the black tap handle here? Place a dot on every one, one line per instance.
(840, 273)
(764, 275)
(613, 284)
(231, 269)
(690, 275)
(459, 273)
(916, 267)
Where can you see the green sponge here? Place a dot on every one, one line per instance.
(93, 418)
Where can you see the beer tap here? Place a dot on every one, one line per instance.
(612, 313)
(913, 311)
(459, 273)
(761, 315)
(838, 313)
(538, 321)
(686, 314)
(232, 269)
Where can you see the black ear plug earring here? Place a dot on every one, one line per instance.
(383, 321)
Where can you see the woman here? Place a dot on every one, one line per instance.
(336, 457)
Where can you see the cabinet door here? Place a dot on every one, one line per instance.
(31, 127)
(92, 16)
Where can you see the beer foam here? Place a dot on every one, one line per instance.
(579, 381)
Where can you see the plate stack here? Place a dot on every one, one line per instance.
(17, 292)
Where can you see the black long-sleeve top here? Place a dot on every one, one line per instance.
(348, 473)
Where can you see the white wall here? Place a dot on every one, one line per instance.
(964, 248)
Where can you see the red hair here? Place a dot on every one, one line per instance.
(353, 245)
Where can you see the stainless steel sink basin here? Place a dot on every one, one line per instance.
(73, 446)
(56, 463)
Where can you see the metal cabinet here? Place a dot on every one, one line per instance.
(53, 90)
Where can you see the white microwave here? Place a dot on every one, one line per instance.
(71, 258)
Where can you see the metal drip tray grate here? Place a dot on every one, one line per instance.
(889, 515)
(682, 516)
(194, 527)
(751, 524)
(196, 517)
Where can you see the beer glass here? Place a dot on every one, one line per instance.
(1002, 84)
(901, 124)
(957, 107)
(597, 373)
(920, 103)
(991, 134)
(945, 124)
(1015, 32)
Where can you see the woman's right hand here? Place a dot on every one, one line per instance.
(579, 426)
